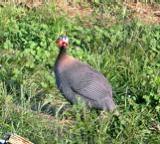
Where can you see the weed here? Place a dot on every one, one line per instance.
(127, 53)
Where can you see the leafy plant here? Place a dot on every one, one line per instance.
(127, 53)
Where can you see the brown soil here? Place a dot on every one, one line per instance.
(147, 13)
(73, 9)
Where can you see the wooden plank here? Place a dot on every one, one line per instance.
(16, 139)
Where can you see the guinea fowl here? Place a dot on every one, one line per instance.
(75, 78)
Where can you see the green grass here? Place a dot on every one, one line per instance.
(126, 52)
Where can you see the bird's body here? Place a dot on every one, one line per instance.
(76, 78)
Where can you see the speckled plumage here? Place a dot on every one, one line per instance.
(76, 78)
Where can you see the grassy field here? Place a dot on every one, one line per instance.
(106, 35)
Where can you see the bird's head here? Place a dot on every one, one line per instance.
(62, 42)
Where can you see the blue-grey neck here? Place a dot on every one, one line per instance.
(62, 52)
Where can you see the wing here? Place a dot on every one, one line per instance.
(89, 83)
(65, 89)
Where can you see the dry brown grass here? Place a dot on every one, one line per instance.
(147, 13)
(74, 9)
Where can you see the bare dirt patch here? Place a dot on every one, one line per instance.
(147, 13)
(74, 9)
